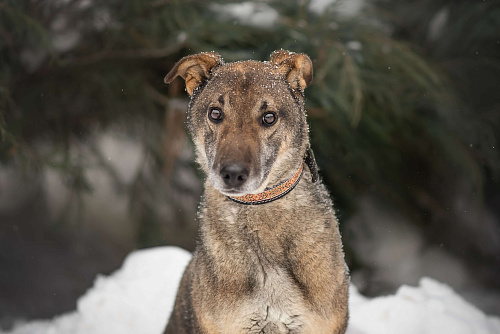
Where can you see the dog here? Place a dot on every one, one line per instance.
(269, 258)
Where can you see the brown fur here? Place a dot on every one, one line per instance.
(271, 268)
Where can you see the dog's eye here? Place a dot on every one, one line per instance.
(269, 118)
(215, 114)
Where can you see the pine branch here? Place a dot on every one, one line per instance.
(123, 55)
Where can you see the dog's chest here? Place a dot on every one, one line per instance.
(276, 306)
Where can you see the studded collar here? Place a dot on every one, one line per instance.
(273, 193)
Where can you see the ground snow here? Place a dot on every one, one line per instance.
(138, 297)
(432, 307)
(135, 299)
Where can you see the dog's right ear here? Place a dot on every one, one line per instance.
(194, 69)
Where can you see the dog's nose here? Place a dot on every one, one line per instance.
(234, 175)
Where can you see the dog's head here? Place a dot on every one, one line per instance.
(247, 119)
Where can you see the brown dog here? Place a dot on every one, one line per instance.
(269, 257)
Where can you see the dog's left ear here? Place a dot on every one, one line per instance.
(297, 68)
(194, 69)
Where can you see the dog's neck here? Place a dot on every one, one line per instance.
(273, 193)
(283, 188)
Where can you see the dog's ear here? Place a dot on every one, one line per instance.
(297, 67)
(194, 69)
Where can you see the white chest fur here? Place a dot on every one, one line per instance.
(276, 307)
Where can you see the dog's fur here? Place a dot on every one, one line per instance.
(277, 267)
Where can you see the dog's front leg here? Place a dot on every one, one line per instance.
(182, 320)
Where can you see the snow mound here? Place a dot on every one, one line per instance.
(432, 307)
(139, 297)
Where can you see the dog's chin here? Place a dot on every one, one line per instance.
(236, 192)
(231, 192)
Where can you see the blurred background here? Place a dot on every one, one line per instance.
(404, 111)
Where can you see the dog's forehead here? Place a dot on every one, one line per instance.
(245, 86)
(247, 75)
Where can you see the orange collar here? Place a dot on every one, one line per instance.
(271, 194)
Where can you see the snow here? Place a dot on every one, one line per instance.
(432, 307)
(138, 298)
(135, 299)
(438, 23)
(254, 14)
(344, 8)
